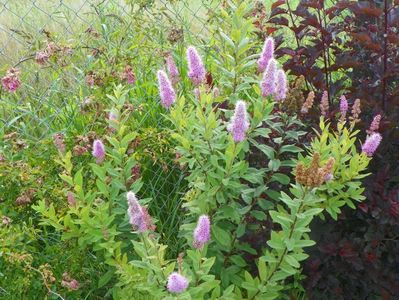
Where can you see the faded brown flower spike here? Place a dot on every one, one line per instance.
(314, 175)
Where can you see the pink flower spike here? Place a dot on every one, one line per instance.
(138, 215)
(202, 232)
(371, 144)
(98, 151)
(172, 69)
(268, 84)
(239, 122)
(196, 67)
(266, 55)
(343, 105)
(177, 283)
(375, 125)
(281, 86)
(166, 91)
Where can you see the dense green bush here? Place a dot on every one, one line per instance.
(203, 185)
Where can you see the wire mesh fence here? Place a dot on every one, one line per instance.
(59, 46)
(27, 27)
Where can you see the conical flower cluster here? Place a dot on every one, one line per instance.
(202, 232)
(98, 151)
(166, 91)
(268, 84)
(172, 69)
(239, 122)
(371, 144)
(266, 55)
(196, 67)
(177, 283)
(138, 215)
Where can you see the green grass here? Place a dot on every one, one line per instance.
(22, 22)
(49, 99)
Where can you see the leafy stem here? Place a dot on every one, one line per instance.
(285, 251)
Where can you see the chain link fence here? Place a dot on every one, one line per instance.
(88, 36)
(26, 26)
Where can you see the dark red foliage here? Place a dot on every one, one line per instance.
(357, 257)
(357, 40)
(352, 48)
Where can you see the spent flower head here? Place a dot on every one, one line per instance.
(128, 75)
(356, 111)
(324, 106)
(314, 175)
(308, 103)
(42, 57)
(216, 92)
(11, 81)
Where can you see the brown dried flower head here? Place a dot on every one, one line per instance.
(295, 99)
(308, 103)
(314, 175)
(355, 118)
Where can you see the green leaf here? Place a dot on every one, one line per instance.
(207, 264)
(240, 230)
(273, 194)
(227, 39)
(290, 148)
(238, 260)
(262, 269)
(282, 178)
(106, 278)
(292, 261)
(221, 236)
(259, 215)
(67, 179)
(304, 243)
(267, 150)
(275, 242)
(265, 204)
(99, 171)
(312, 211)
(274, 164)
(78, 179)
(249, 287)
